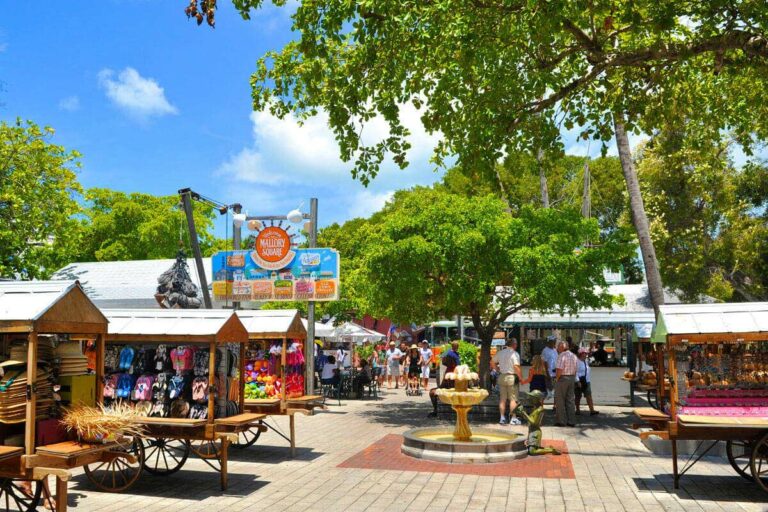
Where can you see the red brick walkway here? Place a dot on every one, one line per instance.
(385, 454)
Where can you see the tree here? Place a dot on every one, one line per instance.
(38, 199)
(436, 255)
(136, 226)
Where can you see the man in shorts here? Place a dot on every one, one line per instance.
(393, 365)
(507, 363)
(426, 362)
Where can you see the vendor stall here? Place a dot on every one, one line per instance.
(646, 367)
(32, 313)
(273, 371)
(717, 360)
(176, 368)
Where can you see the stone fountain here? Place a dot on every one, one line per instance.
(463, 445)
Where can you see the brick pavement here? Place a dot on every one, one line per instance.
(613, 472)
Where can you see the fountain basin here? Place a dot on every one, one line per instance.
(486, 445)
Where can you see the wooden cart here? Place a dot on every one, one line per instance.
(264, 328)
(713, 327)
(167, 442)
(29, 309)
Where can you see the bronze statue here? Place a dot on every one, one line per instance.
(534, 419)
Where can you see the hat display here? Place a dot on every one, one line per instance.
(13, 394)
(45, 352)
(72, 361)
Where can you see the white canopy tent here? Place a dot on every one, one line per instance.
(321, 330)
(351, 334)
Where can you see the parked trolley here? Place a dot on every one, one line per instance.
(273, 371)
(175, 367)
(717, 361)
(32, 313)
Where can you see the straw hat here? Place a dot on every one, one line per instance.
(414, 347)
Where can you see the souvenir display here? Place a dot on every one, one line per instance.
(71, 360)
(266, 377)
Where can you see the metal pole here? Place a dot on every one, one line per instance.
(309, 346)
(461, 327)
(236, 241)
(187, 204)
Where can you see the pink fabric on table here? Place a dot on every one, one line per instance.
(741, 401)
(724, 411)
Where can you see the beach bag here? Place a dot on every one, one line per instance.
(202, 359)
(110, 386)
(162, 361)
(179, 409)
(200, 389)
(143, 388)
(124, 385)
(111, 358)
(126, 358)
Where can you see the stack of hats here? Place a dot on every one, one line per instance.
(72, 361)
(45, 352)
(13, 392)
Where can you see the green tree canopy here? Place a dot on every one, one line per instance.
(137, 226)
(436, 255)
(38, 199)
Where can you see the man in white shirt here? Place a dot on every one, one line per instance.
(393, 365)
(507, 363)
(340, 355)
(549, 355)
(426, 360)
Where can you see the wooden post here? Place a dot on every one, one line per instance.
(29, 431)
(283, 355)
(223, 461)
(673, 384)
(241, 404)
(660, 376)
(100, 348)
(61, 494)
(212, 381)
(674, 464)
(292, 426)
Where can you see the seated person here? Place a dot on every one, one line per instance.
(450, 362)
(362, 378)
(330, 373)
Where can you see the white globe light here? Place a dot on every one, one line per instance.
(238, 219)
(254, 225)
(295, 216)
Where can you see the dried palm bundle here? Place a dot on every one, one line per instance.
(101, 424)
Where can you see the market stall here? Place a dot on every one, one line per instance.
(717, 360)
(32, 314)
(646, 367)
(176, 368)
(273, 371)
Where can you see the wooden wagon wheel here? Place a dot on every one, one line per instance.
(759, 462)
(118, 473)
(16, 497)
(163, 457)
(248, 437)
(653, 399)
(739, 455)
(206, 449)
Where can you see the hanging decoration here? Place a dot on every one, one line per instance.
(175, 288)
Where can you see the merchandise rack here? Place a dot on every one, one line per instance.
(265, 327)
(30, 309)
(167, 442)
(716, 410)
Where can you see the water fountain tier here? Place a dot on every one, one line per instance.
(462, 445)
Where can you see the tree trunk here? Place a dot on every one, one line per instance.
(639, 219)
(542, 180)
(485, 333)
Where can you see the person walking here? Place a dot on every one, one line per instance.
(393, 365)
(507, 363)
(537, 376)
(565, 382)
(549, 356)
(584, 383)
(403, 361)
(426, 362)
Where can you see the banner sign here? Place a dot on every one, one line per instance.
(275, 271)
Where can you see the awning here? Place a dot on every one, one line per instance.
(727, 320)
(351, 331)
(583, 319)
(321, 330)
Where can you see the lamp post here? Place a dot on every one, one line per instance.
(294, 216)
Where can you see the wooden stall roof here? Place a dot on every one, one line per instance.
(276, 323)
(175, 325)
(701, 323)
(51, 307)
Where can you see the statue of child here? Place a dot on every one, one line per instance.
(534, 419)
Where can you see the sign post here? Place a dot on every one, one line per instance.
(309, 346)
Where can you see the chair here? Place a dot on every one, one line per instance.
(332, 391)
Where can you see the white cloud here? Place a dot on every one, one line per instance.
(366, 202)
(70, 103)
(139, 97)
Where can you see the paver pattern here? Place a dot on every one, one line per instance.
(612, 472)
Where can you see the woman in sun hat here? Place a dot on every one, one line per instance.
(414, 368)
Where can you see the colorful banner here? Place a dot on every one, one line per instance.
(276, 272)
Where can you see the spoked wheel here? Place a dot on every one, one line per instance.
(206, 449)
(739, 455)
(117, 473)
(247, 438)
(653, 399)
(163, 457)
(758, 463)
(17, 497)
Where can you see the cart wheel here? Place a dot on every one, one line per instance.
(14, 496)
(247, 438)
(206, 449)
(163, 457)
(653, 399)
(758, 463)
(118, 474)
(739, 455)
